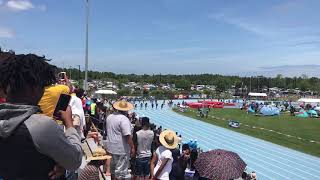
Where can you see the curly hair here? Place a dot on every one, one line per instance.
(25, 70)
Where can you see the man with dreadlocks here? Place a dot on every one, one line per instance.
(4, 56)
(32, 145)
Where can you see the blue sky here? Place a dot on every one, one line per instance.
(246, 37)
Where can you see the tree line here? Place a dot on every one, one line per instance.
(221, 82)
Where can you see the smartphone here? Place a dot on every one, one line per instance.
(62, 104)
(62, 76)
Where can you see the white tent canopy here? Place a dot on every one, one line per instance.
(258, 94)
(309, 100)
(106, 92)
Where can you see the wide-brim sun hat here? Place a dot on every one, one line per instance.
(123, 106)
(99, 155)
(99, 158)
(169, 139)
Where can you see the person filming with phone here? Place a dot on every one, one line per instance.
(33, 146)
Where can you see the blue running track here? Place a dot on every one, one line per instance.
(270, 161)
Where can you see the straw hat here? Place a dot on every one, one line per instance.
(169, 139)
(122, 105)
(98, 155)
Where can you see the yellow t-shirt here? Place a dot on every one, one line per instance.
(50, 98)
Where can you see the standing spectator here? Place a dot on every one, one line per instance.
(119, 140)
(51, 97)
(27, 136)
(93, 107)
(144, 139)
(77, 111)
(78, 122)
(180, 163)
(163, 156)
(176, 173)
(207, 112)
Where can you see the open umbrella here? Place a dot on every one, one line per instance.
(220, 165)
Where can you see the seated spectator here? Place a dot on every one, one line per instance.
(161, 163)
(25, 135)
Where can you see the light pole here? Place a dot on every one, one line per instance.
(250, 82)
(87, 42)
(70, 69)
(79, 72)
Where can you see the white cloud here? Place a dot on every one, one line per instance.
(19, 5)
(6, 33)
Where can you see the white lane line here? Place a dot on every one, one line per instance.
(251, 151)
(290, 153)
(255, 140)
(312, 141)
(166, 123)
(200, 134)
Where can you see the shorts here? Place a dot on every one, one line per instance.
(119, 166)
(142, 166)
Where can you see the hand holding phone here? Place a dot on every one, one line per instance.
(63, 110)
(66, 117)
(62, 105)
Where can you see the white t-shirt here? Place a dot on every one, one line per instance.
(163, 153)
(144, 138)
(77, 108)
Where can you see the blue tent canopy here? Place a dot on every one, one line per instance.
(270, 111)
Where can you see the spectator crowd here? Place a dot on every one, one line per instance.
(39, 142)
